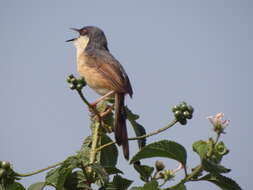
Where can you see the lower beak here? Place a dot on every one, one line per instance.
(73, 39)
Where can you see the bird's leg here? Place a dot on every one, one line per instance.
(94, 104)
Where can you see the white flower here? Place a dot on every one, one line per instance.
(218, 122)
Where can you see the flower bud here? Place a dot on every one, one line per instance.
(5, 165)
(183, 106)
(221, 149)
(190, 109)
(175, 108)
(2, 172)
(72, 86)
(159, 165)
(168, 175)
(183, 121)
(79, 86)
(186, 114)
(178, 114)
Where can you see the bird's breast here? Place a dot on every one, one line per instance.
(93, 78)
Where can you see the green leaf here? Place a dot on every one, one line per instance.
(212, 167)
(201, 148)
(164, 148)
(52, 177)
(105, 158)
(138, 129)
(84, 153)
(179, 186)
(63, 174)
(152, 185)
(58, 176)
(15, 186)
(109, 186)
(136, 188)
(75, 181)
(223, 182)
(37, 186)
(121, 183)
(101, 172)
(112, 170)
(108, 118)
(144, 171)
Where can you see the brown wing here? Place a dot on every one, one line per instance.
(110, 69)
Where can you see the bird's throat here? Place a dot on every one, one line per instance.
(81, 43)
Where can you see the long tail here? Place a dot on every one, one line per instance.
(120, 124)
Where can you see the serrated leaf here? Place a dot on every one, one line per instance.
(15, 186)
(138, 129)
(179, 186)
(84, 153)
(121, 183)
(212, 167)
(201, 148)
(136, 188)
(144, 171)
(152, 185)
(86, 145)
(63, 174)
(109, 186)
(223, 182)
(52, 177)
(112, 170)
(105, 158)
(101, 172)
(108, 118)
(75, 181)
(164, 148)
(37, 186)
(58, 176)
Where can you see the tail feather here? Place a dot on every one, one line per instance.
(120, 124)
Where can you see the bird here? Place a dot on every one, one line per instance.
(105, 75)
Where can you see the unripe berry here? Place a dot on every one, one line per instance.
(159, 165)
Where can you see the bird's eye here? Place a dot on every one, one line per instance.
(83, 32)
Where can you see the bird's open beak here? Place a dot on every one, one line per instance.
(73, 39)
(75, 29)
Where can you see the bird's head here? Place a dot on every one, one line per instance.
(90, 37)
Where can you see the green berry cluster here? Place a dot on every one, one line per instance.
(5, 166)
(74, 83)
(182, 112)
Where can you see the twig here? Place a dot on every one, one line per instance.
(94, 143)
(194, 173)
(155, 132)
(39, 171)
(141, 137)
(94, 110)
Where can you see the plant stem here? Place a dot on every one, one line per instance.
(143, 136)
(194, 173)
(94, 110)
(217, 138)
(94, 142)
(39, 171)
(155, 132)
(105, 145)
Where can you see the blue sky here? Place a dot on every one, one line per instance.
(196, 51)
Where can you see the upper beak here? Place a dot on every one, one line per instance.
(73, 39)
(75, 29)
